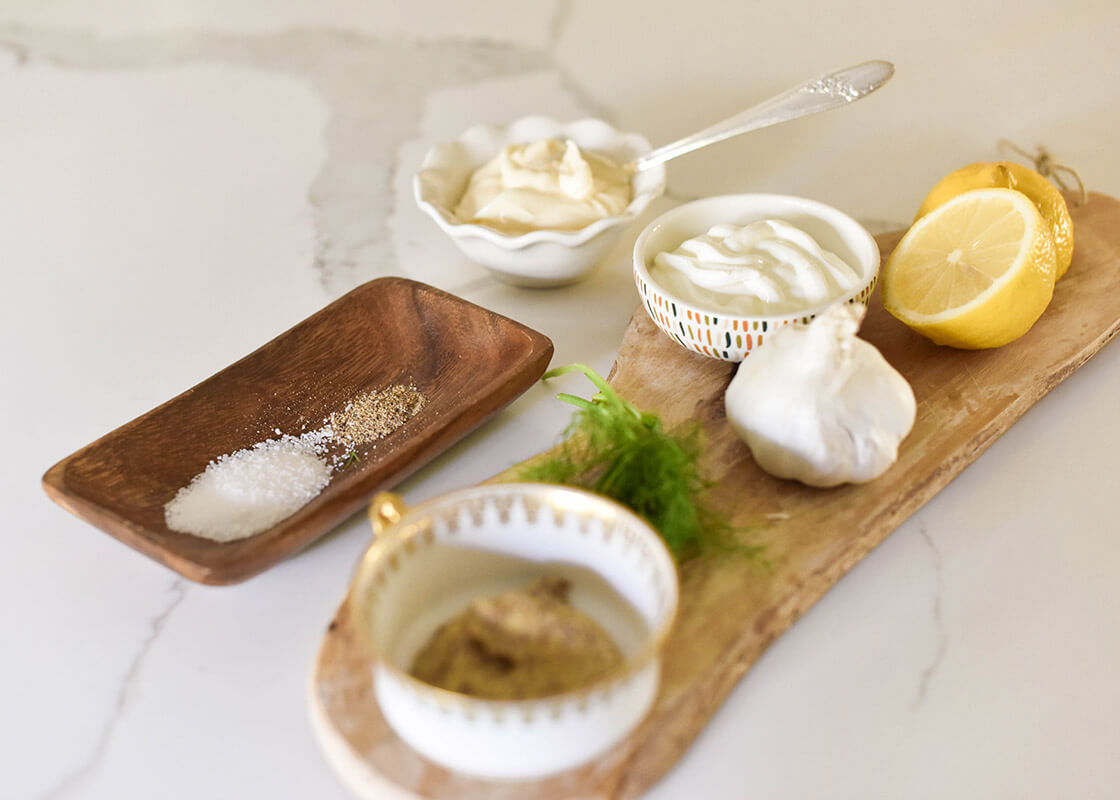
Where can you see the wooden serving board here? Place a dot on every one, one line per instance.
(965, 401)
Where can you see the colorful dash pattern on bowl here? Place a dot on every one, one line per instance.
(725, 337)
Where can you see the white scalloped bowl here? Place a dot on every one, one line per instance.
(447, 551)
(541, 258)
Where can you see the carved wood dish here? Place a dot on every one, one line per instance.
(467, 361)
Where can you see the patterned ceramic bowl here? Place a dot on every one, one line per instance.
(430, 561)
(541, 258)
(733, 337)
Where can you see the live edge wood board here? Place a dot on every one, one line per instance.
(965, 401)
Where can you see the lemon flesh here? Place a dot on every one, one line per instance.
(975, 272)
(1009, 175)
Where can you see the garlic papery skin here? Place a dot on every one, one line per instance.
(820, 405)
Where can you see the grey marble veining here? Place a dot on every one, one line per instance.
(942, 637)
(971, 655)
(371, 110)
(72, 782)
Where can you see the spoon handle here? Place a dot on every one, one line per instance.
(820, 94)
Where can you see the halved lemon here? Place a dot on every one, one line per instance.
(1009, 175)
(973, 273)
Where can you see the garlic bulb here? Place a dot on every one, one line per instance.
(819, 404)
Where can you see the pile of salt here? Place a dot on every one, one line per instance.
(248, 491)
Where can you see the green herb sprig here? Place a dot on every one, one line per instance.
(617, 450)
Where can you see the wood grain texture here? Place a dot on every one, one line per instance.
(965, 401)
(469, 362)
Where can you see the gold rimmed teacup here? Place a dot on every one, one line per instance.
(429, 561)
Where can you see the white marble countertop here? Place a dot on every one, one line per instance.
(179, 182)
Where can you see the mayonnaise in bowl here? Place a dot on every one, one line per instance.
(548, 184)
(536, 256)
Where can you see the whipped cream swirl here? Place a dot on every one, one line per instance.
(766, 267)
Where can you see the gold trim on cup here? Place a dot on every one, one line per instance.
(390, 543)
(385, 510)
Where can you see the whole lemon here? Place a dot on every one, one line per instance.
(1009, 175)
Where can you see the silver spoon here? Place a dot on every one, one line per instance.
(820, 94)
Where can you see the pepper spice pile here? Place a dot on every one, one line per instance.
(374, 415)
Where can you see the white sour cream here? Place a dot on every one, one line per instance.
(766, 267)
(546, 184)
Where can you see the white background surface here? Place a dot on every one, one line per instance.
(179, 182)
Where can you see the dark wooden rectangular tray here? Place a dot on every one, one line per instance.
(469, 362)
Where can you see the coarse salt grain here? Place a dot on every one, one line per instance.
(248, 491)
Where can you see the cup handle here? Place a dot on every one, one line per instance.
(385, 509)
